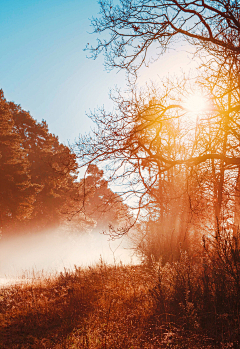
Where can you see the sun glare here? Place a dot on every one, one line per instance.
(195, 103)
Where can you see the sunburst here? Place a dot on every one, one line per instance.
(195, 103)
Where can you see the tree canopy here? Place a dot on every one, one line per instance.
(37, 172)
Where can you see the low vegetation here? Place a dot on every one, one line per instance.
(190, 303)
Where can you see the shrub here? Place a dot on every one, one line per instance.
(201, 295)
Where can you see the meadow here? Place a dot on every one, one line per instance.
(190, 303)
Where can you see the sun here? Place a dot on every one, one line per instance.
(195, 103)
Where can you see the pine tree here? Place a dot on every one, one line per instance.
(53, 169)
(17, 193)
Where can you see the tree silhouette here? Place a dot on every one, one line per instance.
(132, 27)
(152, 143)
(99, 203)
(149, 137)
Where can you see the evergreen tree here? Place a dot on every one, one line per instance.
(53, 168)
(37, 172)
(17, 192)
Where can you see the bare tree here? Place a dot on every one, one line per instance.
(176, 169)
(133, 26)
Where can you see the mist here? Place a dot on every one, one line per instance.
(51, 252)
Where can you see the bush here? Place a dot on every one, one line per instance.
(201, 295)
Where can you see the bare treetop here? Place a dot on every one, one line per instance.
(132, 26)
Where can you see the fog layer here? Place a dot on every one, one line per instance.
(52, 252)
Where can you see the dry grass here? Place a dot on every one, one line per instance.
(99, 307)
(116, 307)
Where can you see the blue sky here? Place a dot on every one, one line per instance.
(43, 66)
(44, 69)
